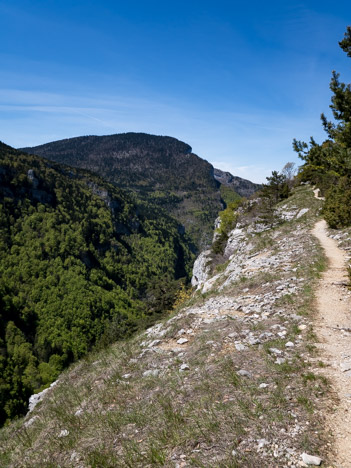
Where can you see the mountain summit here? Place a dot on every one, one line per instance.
(160, 169)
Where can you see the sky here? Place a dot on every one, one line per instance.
(235, 80)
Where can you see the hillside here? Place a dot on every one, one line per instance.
(81, 262)
(232, 378)
(162, 170)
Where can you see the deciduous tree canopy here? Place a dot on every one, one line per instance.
(81, 261)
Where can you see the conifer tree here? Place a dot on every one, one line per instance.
(328, 165)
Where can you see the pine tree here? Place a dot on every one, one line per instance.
(329, 165)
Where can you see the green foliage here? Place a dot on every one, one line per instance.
(229, 195)
(81, 262)
(228, 220)
(337, 207)
(329, 165)
(277, 188)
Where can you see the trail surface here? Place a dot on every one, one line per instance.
(334, 332)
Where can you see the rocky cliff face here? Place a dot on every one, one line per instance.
(243, 187)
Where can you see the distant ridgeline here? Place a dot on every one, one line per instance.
(81, 262)
(162, 170)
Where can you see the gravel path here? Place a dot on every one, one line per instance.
(334, 332)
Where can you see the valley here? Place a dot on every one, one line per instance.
(232, 377)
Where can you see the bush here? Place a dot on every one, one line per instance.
(337, 207)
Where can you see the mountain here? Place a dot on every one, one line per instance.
(243, 187)
(81, 262)
(161, 169)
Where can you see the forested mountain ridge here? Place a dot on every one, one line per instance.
(80, 261)
(160, 169)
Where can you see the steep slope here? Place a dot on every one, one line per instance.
(160, 169)
(80, 261)
(231, 379)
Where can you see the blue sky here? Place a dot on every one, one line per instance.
(235, 80)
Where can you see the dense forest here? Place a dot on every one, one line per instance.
(162, 170)
(328, 165)
(81, 263)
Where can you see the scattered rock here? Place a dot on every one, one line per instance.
(311, 460)
(275, 351)
(240, 347)
(63, 433)
(182, 341)
(31, 421)
(184, 367)
(151, 372)
(262, 443)
(154, 343)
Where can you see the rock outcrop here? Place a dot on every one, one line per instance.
(244, 187)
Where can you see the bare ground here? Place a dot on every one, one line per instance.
(333, 327)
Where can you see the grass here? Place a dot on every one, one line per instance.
(201, 415)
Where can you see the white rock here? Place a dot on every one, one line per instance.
(263, 385)
(252, 340)
(311, 460)
(240, 347)
(63, 433)
(151, 372)
(289, 344)
(235, 241)
(34, 399)
(184, 367)
(275, 351)
(154, 343)
(201, 269)
(182, 341)
(126, 376)
(302, 212)
(262, 443)
(31, 421)
(280, 360)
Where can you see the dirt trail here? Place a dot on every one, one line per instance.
(333, 328)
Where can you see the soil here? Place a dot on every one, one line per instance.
(333, 328)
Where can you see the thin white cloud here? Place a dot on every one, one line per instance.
(248, 144)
